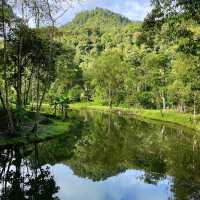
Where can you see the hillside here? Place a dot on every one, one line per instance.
(141, 61)
(102, 18)
(91, 32)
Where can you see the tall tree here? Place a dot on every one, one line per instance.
(110, 71)
(6, 19)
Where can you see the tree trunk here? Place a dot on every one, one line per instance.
(2, 101)
(35, 127)
(11, 127)
(65, 113)
(39, 105)
(110, 98)
(62, 108)
(26, 95)
(194, 106)
(164, 102)
(55, 109)
(20, 67)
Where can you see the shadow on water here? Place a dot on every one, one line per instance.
(103, 151)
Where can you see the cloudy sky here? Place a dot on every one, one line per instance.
(127, 185)
(133, 9)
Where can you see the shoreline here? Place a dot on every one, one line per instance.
(59, 127)
(45, 132)
(170, 117)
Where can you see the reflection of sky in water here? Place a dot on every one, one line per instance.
(126, 186)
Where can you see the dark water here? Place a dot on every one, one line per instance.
(105, 157)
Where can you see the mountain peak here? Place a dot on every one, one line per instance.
(100, 17)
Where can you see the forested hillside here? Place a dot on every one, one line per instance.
(153, 64)
(100, 57)
(95, 33)
(98, 96)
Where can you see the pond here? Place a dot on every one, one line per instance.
(105, 157)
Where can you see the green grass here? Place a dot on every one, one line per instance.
(45, 132)
(169, 116)
(52, 130)
(59, 127)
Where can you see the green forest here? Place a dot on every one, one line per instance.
(99, 57)
(98, 103)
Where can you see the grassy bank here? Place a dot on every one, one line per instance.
(59, 127)
(54, 129)
(169, 116)
(45, 132)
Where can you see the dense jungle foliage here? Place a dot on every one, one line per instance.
(154, 64)
(100, 56)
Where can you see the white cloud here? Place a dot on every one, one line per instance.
(122, 186)
(133, 9)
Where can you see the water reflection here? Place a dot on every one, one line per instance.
(105, 157)
(24, 179)
(124, 186)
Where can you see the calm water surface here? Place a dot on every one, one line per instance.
(105, 157)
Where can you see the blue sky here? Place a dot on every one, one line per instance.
(133, 9)
(127, 186)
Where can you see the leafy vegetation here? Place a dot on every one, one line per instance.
(32, 62)
(153, 64)
(99, 57)
(106, 62)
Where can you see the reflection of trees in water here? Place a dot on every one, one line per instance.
(112, 144)
(184, 165)
(100, 146)
(21, 179)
